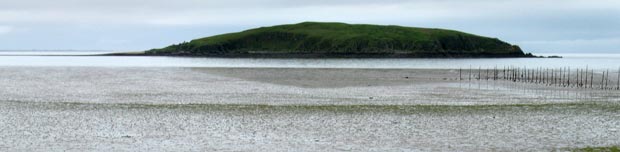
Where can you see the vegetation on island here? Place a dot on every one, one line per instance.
(313, 39)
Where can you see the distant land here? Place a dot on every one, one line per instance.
(317, 40)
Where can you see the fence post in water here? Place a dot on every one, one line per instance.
(537, 75)
(469, 73)
(546, 77)
(563, 76)
(508, 73)
(487, 71)
(577, 78)
(553, 76)
(592, 80)
(460, 73)
(529, 76)
(568, 82)
(618, 81)
(542, 73)
(607, 80)
(509, 77)
(586, 84)
(495, 72)
(532, 75)
(517, 72)
(479, 69)
(524, 74)
(503, 73)
(560, 78)
(550, 76)
(602, 80)
(527, 72)
(582, 78)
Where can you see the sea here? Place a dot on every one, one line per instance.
(83, 59)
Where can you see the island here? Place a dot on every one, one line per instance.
(341, 40)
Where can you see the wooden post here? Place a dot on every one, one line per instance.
(607, 80)
(553, 78)
(495, 73)
(479, 76)
(533, 75)
(509, 73)
(568, 82)
(503, 71)
(517, 71)
(586, 83)
(564, 77)
(527, 72)
(487, 71)
(561, 78)
(460, 74)
(538, 75)
(618, 81)
(602, 80)
(546, 77)
(577, 80)
(582, 78)
(592, 80)
(470, 73)
(509, 78)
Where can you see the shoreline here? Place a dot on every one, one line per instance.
(312, 56)
(331, 56)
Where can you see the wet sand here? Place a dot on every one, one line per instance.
(267, 109)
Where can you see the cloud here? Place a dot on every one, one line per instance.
(5, 29)
(206, 12)
(516, 21)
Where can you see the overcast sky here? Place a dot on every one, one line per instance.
(539, 26)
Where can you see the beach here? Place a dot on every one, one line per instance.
(279, 109)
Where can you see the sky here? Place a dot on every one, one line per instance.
(538, 26)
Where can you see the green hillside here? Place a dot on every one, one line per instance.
(312, 39)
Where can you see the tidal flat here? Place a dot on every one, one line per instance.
(283, 109)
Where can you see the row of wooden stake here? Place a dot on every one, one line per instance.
(561, 77)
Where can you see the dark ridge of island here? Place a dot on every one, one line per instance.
(340, 40)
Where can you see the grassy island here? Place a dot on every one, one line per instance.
(313, 39)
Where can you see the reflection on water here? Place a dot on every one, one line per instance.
(597, 61)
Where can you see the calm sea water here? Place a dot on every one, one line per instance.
(597, 61)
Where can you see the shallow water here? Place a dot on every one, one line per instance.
(597, 61)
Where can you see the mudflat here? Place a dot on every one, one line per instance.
(266, 109)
